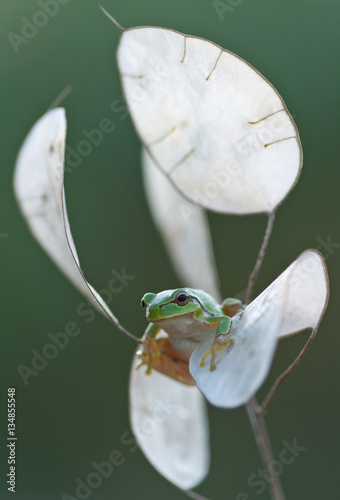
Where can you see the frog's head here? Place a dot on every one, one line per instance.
(169, 304)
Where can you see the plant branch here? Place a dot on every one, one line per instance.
(59, 99)
(116, 23)
(194, 495)
(255, 272)
(285, 374)
(263, 443)
(126, 332)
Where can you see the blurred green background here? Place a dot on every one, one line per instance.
(75, 411)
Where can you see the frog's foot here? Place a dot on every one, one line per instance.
(159, 355)
(149, 354)
(220, 342)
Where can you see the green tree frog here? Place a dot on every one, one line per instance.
(186, 315)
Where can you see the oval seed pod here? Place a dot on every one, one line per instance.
(170, 424)
(184, 228)
(296, 300)
(212, 123)
(39, 189)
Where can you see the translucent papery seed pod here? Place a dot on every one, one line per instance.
(39, 189)
(170, 424)
(212, 124)
(295, 301)
(184, 228)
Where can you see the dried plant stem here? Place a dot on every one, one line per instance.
(194, 495)
(258, 263)
(127, 333)
(59, 99)
(263, 443)
(116, 23)
(285, 374)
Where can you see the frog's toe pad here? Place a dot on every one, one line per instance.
(218, 344)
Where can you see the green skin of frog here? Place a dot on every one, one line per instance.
(186, 315)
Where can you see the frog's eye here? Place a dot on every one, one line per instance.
(182, 298)
(142, 303)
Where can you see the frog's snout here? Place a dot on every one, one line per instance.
(146, 301)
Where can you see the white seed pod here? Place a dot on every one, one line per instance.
(39, 189)
(296, 300)
(211, 122)
(170, 424)
(184, 228)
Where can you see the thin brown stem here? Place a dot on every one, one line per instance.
(263, 443)
(127, 333)
(194, 495)
(116, 23)
(255, 272)
(59, 99)
(285, 374)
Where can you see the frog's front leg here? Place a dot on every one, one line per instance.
(221, 339)
(159, 355)
(231, 306)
